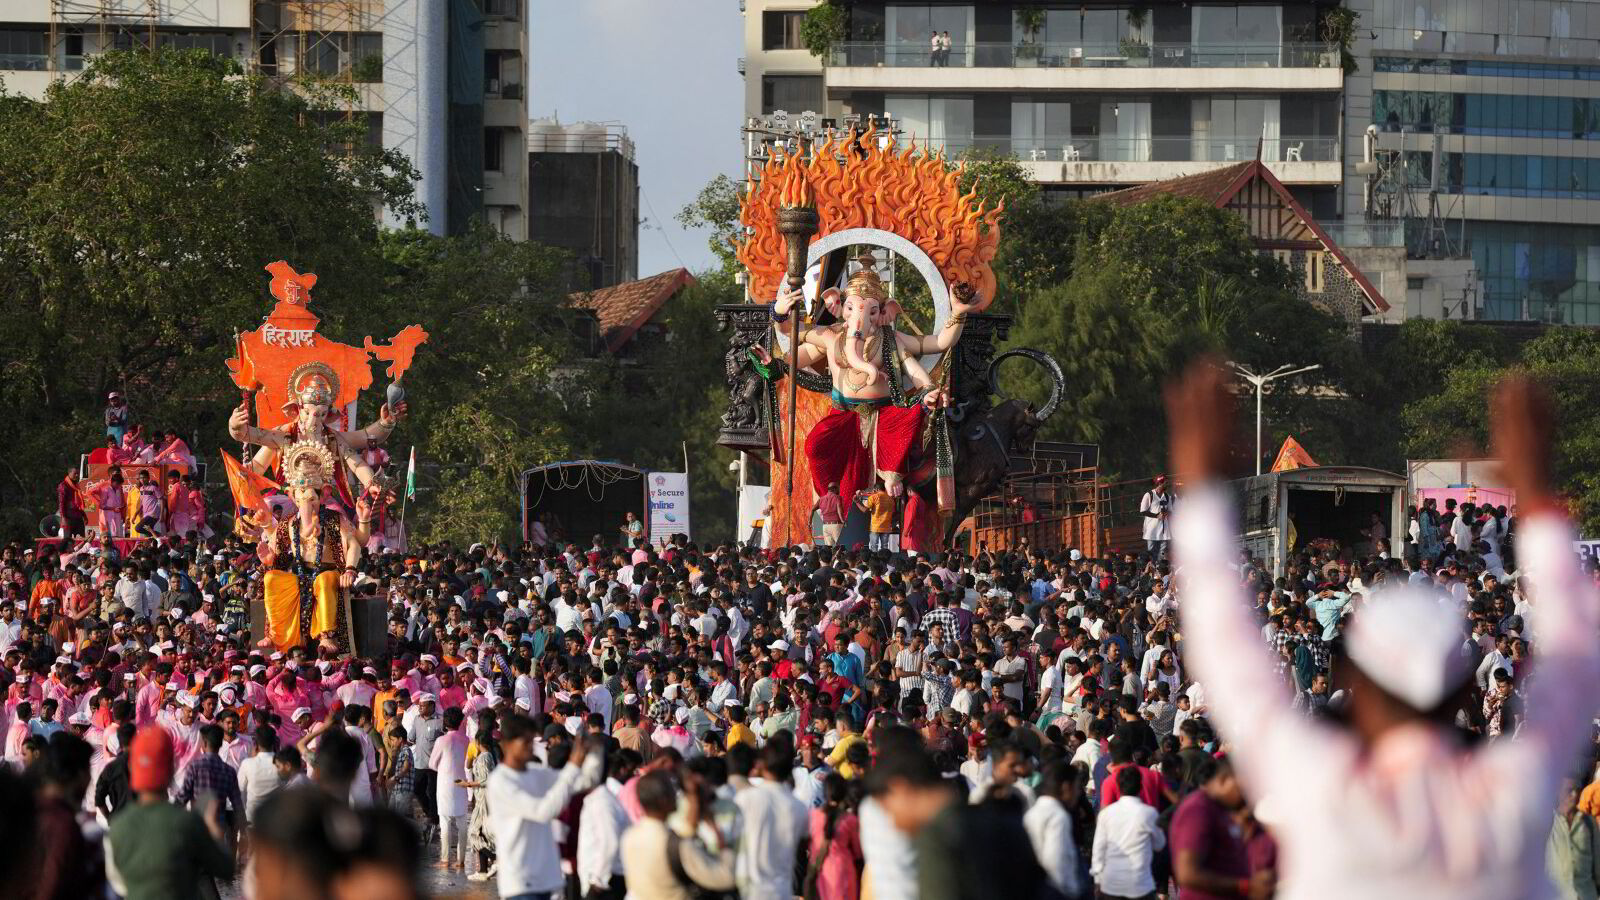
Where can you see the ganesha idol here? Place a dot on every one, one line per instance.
(312, 388)
(880, 392)
(311, 557)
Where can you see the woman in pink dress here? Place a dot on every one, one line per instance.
(836, 841)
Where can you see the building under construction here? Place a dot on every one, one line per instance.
(441, 81)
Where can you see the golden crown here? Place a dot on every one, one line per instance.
(307, 464)
(866, 283)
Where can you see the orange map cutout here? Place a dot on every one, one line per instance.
(287, 340)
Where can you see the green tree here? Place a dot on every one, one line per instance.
(824, 25)
(666, 403)
(1152, 286)
(1454, 421)
(716, 207)
(138, 205)
(486, 390)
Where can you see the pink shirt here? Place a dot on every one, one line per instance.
(146, 703)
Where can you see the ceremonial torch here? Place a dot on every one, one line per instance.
(797, 222)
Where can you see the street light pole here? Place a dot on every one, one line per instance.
(1260, 382)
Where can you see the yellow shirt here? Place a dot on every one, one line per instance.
(836, 759)
(881, 507)
(740, 734)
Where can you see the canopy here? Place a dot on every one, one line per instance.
(583, 497)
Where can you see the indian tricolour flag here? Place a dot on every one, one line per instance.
(411, 475)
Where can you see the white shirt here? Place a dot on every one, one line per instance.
(356, 693)
(521, 807)
(600, 828)
(1158, 605)
(911, 661)
(1050, 689)
(1492, 660)
(774, 824)
(1089, 754)
(891, 859)
(1050, 831)
(258, 778)
(1156, 528)
(1003, 666)
(598, 700)
(1436, 820)
(1127, 834)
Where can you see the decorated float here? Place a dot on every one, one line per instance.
(313, 492)
(827, 382)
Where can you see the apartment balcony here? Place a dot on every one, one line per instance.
(1130, 66)
(499, 112)
(1137, 160)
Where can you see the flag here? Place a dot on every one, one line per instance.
(247, 486)
(1292, 456)
(411, 474)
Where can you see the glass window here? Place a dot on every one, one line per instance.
(944, 122)
(781, 30)
(911, 27)
(1040, 129)
(792, 93)
(493, 144)
(1315, 262)
(23, 50)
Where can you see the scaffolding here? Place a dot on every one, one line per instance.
(116, 24)
(325, 40)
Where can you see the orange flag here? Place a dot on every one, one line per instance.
(1292, 456)
(247, 486)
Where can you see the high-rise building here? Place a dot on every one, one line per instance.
(1465, 130)
(439, 80)
(1488, 139)
(1089, 97)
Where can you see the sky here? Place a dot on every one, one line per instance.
(668, 70)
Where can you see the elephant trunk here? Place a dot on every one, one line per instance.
(857, 361)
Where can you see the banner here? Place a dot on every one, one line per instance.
(669, 505)
(1587, 550)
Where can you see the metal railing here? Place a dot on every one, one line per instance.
(1290, 148)
(581, 142)
(1371, 234)
(1126, 54)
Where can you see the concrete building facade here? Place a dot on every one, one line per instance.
(586, 184)
(439, 80)
(1460, 159)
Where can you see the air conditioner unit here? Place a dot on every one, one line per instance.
(741, 65)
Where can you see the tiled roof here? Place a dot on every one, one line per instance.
(1214, 187)
(1218, 186)
(622, 309)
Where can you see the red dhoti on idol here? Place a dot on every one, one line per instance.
(850, 445)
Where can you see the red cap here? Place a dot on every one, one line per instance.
(150, 759)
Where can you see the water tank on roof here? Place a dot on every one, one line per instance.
(586, 137)
(545, 135)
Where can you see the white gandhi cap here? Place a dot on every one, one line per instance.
(1408, 641)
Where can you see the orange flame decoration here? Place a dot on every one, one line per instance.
(796, 191)
(855, 183)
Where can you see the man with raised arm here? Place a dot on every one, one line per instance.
(1388, 801)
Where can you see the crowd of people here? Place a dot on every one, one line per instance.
(678, 721)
